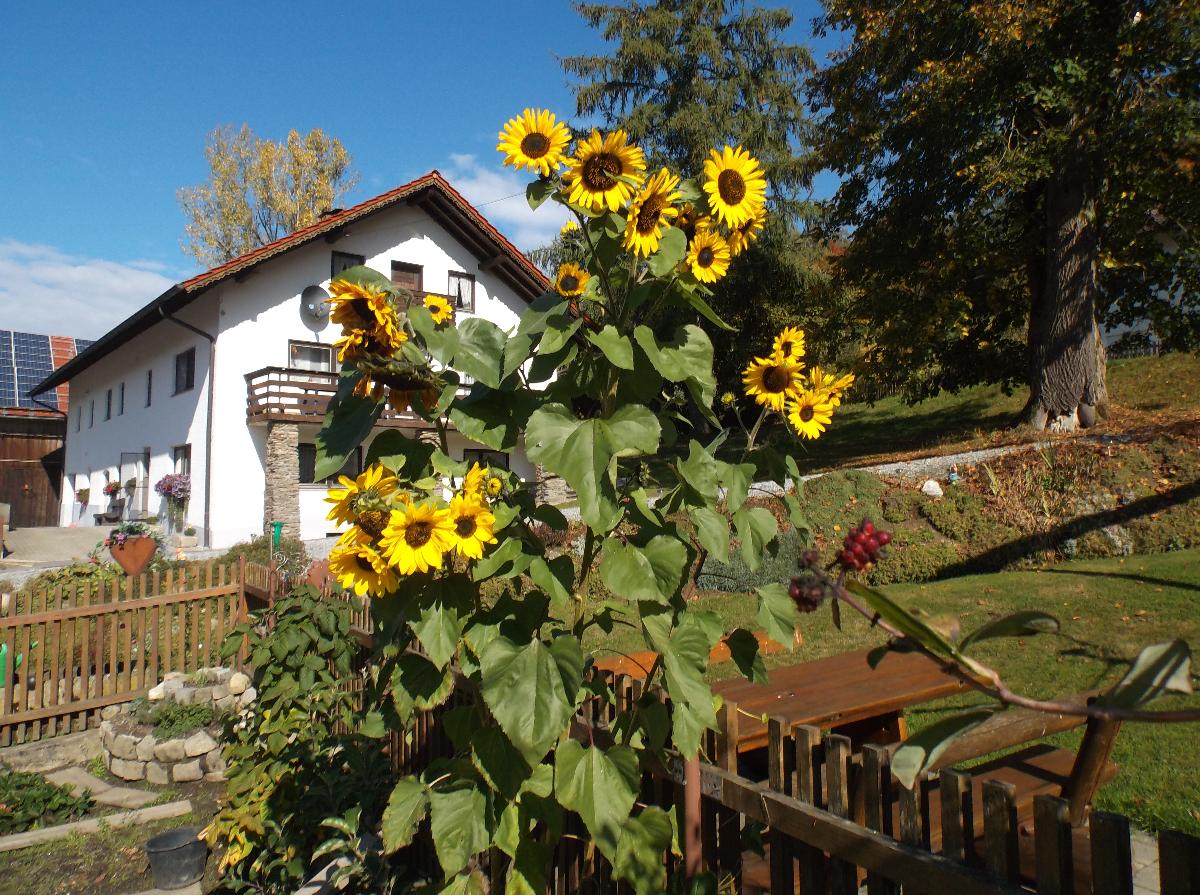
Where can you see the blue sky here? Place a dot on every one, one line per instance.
(105, 107)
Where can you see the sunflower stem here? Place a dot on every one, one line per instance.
(589, 547)
(753, 436)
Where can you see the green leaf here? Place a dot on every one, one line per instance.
(600, 786)
(705, 310)
(907, 623)
(348, 422)
(506, 561)
(556, 577)
(671, 249)
(397, 451)
(419, 684)
(559, 330)
(516, 352)
(500, 764)
(755, 527)
(534, 318)
(480, 350)
(539, 191)
(1158, 669)
(639, 859)
(524, 690)
(373, 726)
(457, 824)
(471, 883)
(922, 749)
(743, 649)
(361, 275)
(712, 530)
(583, 453)
(737, 478)
(700, 472)
(688, 357)
(616, 347)
(493, 417)
(405, 809)
(653, 572)
(777, 613)
(1019, 624)
(568, 656)
(442, 611)
(527, 872)
(442, 341)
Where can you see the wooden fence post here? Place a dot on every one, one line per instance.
(1178, 863)
(1112, 864)
(877, 806)
(1052, 845)
(1000, 829)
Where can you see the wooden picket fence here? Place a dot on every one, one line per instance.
(73, 651)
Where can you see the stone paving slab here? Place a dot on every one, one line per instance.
(77, 780)
(193, 889)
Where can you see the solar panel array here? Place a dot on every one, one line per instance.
(25, 360)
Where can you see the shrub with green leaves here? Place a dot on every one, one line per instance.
(29, 801)
(258, 550)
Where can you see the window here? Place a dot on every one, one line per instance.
(149, 386)
(486, 458)
(344, 261)
(408, 276)
(108, 404)
(78, 417)
(461, 290)
(310, 356)
(181, 458)
(91, 413)
(308, 465)
(185, 370)
(121, 399)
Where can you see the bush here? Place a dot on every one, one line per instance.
(258, 551)
(735, 576)
(170, 719)
(915, 555)
(842, 498)
(28, 801)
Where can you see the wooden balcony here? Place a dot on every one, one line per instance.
(282, 395)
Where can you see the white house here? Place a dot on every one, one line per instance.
(224, 378)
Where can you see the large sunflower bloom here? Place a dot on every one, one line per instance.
(571, 280)
(771, 381)
(416, 538)
(439, 308)
(820, 381)
(651, 213)
(473, 482)
(358, 567)
(534, 140)
(809, 413)
(789, 344)
(740, 237)
(373, 486)
(472, 525)
(708, 256)
(355, 306)
(735, 185)
(592, 174)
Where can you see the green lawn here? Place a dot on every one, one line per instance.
(1108, 609)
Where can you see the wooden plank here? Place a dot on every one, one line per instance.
(1178, 863)
(779, 849)
(102, 609)
(877, 812)
(1052, 846)
(1112, 863)
(70, 674)
(910, 814)
(958, 821)
(1000, 830)
(843, 876)
(54, 632)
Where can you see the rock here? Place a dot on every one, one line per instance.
(248, 697)
(225, 703)
(223, 675)
(174, 676)
(124, 746)
(106, 734)
(202, 695)
(187, 771)
(128, 770)
(220, 691)
(198, 743)
(156, 693)
(239, 683)
(214, 762)
(931, 488)
(184, 695)
(157, 774)
(109, 712)
(145, 747)
(215, 777)
(170, 750)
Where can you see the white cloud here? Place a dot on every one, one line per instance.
(499, 194)
(45, 290)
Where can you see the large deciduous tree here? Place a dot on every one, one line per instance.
(1015, 174)
(260, 190)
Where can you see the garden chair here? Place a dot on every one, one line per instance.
(112, 514)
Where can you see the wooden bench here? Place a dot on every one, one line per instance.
(112, 514)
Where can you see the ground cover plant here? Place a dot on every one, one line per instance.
(28, 801)
(172, 719)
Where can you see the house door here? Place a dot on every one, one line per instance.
(135, 467)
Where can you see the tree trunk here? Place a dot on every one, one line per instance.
(1067, 386)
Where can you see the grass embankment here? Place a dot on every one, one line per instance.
(1108, 608)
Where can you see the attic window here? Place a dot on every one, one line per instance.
(461, 289)
(344, 261)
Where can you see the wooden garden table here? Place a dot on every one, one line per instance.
(841, 692)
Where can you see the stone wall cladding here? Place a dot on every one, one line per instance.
(281, 502)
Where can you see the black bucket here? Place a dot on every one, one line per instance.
(177, 857)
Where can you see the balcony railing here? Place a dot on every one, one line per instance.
(279, 394)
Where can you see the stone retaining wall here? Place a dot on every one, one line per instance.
(183, 759)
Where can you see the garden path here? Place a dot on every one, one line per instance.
(77, 779)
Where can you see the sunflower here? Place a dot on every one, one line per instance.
(472, 523)
(370, 490)
(789, 344)
(534, 140)
(771, 381)
(708, 256)
(691, 221)
(741, 236)
(440, 308)
(735, 185)
(474, 482)
(651, 213)
(494, 486)
(357, 566)
(416, 538)
(809, 413)
(592, 174)
(357, 306)
(571, 280)
(569, 226)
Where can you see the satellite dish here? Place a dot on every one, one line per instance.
(313, 309)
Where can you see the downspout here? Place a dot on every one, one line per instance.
(208, 439)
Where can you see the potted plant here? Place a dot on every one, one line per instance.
(133, 545)
(111, 490)
(82, 496)
(176, 487)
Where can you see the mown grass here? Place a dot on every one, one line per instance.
(1108, 608)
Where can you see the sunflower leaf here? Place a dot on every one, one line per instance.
(480, 350)
(616, 347)
(539, 191)
(348, 421)
(524, 690)
(671, 249)
(688, 357)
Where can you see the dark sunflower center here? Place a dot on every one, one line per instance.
(649, 214)
(569, 282)
(705, 257)
(371, 521)
(786, 348)
(600, 172)
(806, 414)
(465, 526)
(417, 534)
(776, 379)
(362, 308)
(535, 145)
(364, 564)
(732, 186)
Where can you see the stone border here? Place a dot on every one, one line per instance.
(180, 760)
(15, 841)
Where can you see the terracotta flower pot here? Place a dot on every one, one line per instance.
(134, 555)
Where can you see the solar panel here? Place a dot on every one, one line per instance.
(31, 357)
(8, 373)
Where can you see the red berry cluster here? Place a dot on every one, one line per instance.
(808, 592)
(862, 546)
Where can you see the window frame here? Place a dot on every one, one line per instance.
(149, 386)
(331, 367)
(336, 256)
(188, 357)
(468, 304)
(108, 404)
(309, 448)
(121, 399)
(483, 456)
(91, 413)
(181, 459)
